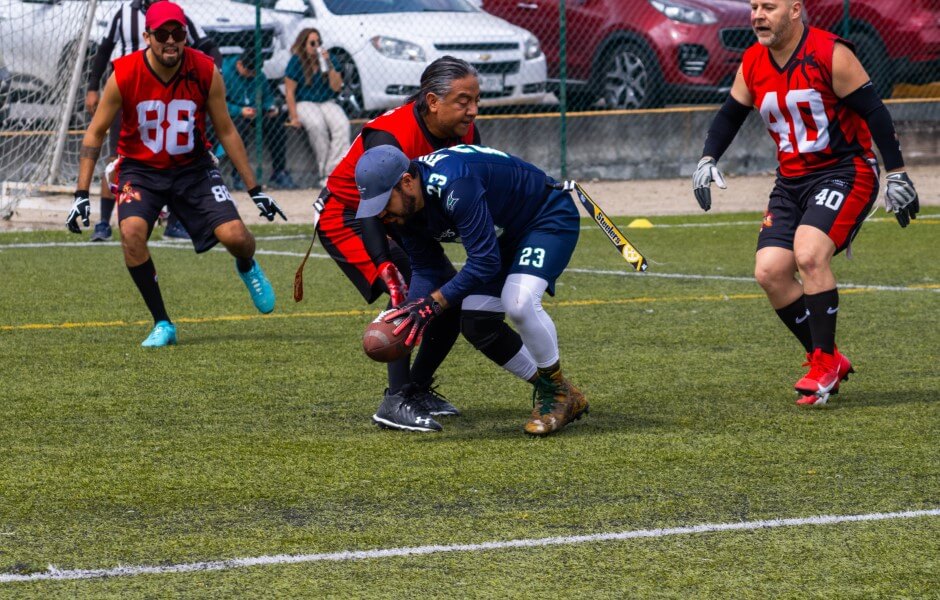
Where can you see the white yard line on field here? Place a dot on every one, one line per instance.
(54, 573)
(623, 273)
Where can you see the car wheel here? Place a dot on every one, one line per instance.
(629, 78)
(350, 97)
(873, 56)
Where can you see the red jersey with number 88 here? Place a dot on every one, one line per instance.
(810, 125)
(163, 124)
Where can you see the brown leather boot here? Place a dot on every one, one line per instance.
(555, 403)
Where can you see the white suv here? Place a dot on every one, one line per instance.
(385, 45)
(39, 39)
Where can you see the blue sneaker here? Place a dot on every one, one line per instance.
(102, 232)
(176, 231)
(262, 294)
(163, 334)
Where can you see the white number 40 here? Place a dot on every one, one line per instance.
(830, 199)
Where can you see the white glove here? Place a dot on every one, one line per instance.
(901, 198)
(705, 173)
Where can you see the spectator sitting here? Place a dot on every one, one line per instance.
(239, 76)
(311, 85)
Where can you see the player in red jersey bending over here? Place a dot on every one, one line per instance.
(822, 111)
(165, 93)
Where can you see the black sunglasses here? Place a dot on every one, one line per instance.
(313, 43)
(162, 35)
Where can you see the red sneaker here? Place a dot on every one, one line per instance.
(818, 397)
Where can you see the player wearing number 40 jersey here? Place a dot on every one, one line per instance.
(519, 233)
(822, 111)
(165, 93)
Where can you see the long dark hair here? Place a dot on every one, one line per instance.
(309, 64)
(438, 79)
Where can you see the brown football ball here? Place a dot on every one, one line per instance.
(380, 342)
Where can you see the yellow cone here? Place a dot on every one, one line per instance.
(640, 224)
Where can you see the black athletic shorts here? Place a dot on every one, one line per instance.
(195, 193)
(836, 201)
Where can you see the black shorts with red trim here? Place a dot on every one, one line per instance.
(195, 193)
(341, 236)
(836, 201)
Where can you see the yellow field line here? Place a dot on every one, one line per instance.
(359, 313)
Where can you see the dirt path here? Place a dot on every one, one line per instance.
(638, 198)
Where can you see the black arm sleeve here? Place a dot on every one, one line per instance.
(100, 64)
(375, 137)
(375, 239)
(103, 54)
(725, 126)
(374, 235)
(868, 105)
(205, 43)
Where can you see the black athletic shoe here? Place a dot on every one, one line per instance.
(399, 412)
(428, 399)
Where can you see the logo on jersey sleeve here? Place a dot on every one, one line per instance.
(448, 236)
(451, 202)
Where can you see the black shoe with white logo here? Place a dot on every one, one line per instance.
(428, 399)
(398, 411)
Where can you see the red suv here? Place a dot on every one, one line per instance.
(638, 53)
(898, 41)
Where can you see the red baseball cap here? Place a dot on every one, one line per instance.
(164, 12)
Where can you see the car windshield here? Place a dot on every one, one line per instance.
(366, 7)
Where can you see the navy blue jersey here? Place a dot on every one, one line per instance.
(484, 199)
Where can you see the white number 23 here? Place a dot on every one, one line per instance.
(532, 256)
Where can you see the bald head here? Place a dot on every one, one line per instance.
(778, 24)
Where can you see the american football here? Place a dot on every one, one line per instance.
(380, 342)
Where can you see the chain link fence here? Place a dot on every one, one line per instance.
(616, 58)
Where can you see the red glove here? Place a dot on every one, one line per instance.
(418, 316)
(397, 288)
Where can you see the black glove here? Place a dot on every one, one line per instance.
(81, 208)
(901, 198)
(705, 173)
(266, 204)
(418, 314)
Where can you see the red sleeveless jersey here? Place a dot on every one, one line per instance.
(163, 124)
(811, 126)
(402, 123)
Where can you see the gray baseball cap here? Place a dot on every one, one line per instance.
(378, 171)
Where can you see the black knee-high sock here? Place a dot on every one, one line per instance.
(823, 310)
(244, 264)
(399, 371)
(439, 337)
(399, 374)
(107, 207)
(796, 317)
(145, 276)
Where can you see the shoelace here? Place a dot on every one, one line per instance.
(544, 392)
(254, 280)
